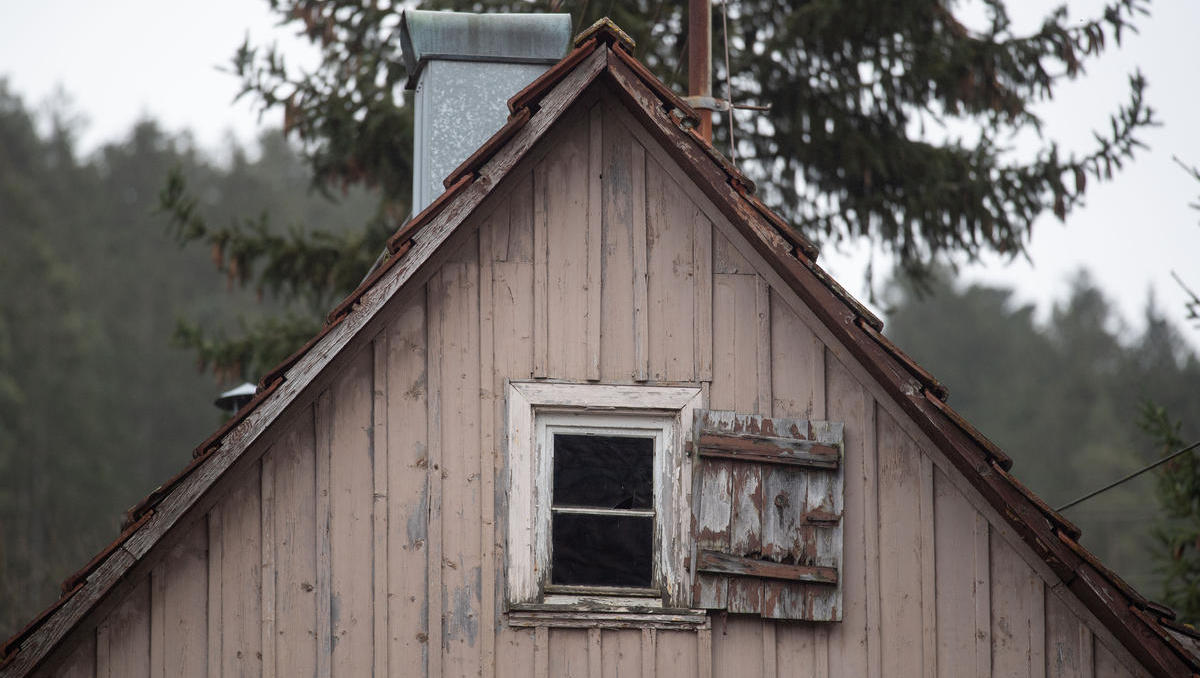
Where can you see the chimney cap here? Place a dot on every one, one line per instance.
(462, 36)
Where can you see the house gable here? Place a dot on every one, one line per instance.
(596, 255)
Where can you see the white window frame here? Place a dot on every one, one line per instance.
(535, 411)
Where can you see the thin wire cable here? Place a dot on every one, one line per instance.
(1131, 476)
(728, 86)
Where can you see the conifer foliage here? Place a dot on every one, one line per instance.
(863, 97)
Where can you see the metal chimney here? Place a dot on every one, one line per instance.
(464, 67)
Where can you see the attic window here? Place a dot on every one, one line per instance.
(597, 494)
(602, 515)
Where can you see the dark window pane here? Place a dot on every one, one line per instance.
(595, 550)
(603, 471)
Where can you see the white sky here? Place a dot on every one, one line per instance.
(124, 59)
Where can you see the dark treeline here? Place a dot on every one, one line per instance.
(1062, 397)
(96, 406)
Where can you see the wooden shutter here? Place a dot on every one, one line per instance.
(767, 516)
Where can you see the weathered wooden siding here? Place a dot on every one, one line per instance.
(366, 536)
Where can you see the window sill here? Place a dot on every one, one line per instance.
(587, 615)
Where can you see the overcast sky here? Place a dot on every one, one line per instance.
(124, 59)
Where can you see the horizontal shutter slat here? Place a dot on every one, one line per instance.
(724, 563)
(769, 450)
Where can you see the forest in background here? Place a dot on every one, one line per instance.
(97, 407)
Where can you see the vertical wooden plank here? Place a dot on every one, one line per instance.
(541, 292)
(641, 321)
(487, 449)
(983, 598)
(704, 654)
(713, 492)
(323, 424)
(796, 655)
(737, 647)
(1011, 609)
(295, 528)
(409, 483)
(541, 653)
(82, 662)
(183, 598)
(953, 522)
(566, 198)
(123, 637)
(595, 241)
(619, 271)
(762, 305)
(379, 507)
(1107, 665)
(745, 534)
(350, 505)
(215, 596)
(622, 653)
(872, 512)
(929, 598)
(594, 654)
(846, 402)
(241, 574)
(459, 420)
(1087, 658)
(102, 656)
(515, 653)
(649, 652)
(1037, 628)
(267, 554)
(512, 311)
(703, 270)
(1063, 653)
(670, 271)
(680, 653)
(797, 366)
(769, 652)
(434, 300)
(899, 551)
(569, 653)
(158, 613)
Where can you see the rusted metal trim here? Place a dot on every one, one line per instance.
(1134, 597)
(546, 81)
(489, 148)
(427, 215)
(840, 292)
(789, 232)
(715, 562)
(762, 449)
(265, 389)
(1182, 653)
(1060, 522)
(975, 434)
(73, 582)
(664, 93)
(927, 380)
(10, 647)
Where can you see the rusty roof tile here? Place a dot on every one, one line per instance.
(546, 81)
(485, 152)
(609, 32)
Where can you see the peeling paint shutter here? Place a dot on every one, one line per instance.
(767, 516)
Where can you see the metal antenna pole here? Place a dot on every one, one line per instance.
(700, 58)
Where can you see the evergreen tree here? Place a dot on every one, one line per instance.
(1057, 396)
(852, 87)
